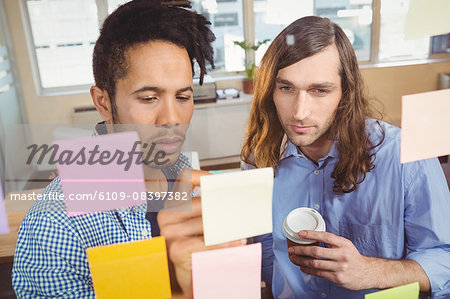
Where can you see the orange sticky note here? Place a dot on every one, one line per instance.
(425, 125)
(130, 270)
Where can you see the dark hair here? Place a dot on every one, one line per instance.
(141, 21)
(309, 36)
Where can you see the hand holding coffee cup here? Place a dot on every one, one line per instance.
(302, 219)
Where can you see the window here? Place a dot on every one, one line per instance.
(393, 45)
(355, 18)
(64, 32)
(113, 4)
(226, 19)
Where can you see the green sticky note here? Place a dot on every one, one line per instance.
(408, 291)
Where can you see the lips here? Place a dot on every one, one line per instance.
(169, 144)
(301, 129)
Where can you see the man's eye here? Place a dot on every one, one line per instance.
(148, 99)
(285, 88)
(184, 98)
(321, 91)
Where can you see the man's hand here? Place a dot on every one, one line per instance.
(184, 231)
(341, 263)
(346, 267)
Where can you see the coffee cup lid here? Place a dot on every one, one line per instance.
(302, 219)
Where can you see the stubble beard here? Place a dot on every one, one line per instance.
(298, 139)
(173, 158)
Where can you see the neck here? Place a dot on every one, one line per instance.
(319, 149)
(155, 180)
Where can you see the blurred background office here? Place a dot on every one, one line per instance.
(47, 49)
(46, 53)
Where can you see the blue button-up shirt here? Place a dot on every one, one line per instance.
(400, 211)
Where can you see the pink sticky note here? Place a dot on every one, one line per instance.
(4, 228)
(93, 186)
(425, 125)
(227, 273)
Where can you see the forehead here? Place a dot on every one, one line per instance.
(157, 63)
(321, 67)
(155, 54)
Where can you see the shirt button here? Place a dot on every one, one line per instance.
(316, 172)
(323, 295)
(144, 232)
(317, 207)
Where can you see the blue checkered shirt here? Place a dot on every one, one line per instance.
(50, 258)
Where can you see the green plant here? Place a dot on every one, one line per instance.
(250, 67)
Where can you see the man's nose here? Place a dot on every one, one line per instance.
(302, 106)
(168, 114)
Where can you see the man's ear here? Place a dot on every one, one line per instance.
(102, 102)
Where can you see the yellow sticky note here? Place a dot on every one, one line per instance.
(130, 270)
(409, 291)
(236, 205)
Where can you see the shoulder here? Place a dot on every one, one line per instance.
(378, 130)
(51, 200)
(49, 212)
(48, 240)
(183, 162)
(385, 140)
(388, 153)
(247, 166)
(426, 173)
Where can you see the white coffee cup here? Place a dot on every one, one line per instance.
(302, 219)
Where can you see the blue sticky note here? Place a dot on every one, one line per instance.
(222, 171)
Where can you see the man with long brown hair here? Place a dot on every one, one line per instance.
(312, 122)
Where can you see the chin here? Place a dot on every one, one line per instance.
(173, 158)
(300, 141)
(169, 160)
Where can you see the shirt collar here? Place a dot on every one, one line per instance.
(333, 153)
(290, 149)
(99, 129)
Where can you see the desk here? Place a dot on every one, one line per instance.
(16, 210)
(8, 241)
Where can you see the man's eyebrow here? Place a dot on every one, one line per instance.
(283, 81)
(158, 89)
(187, 88)
(322, 85)
(147, 88)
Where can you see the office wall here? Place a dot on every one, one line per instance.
(387, 84)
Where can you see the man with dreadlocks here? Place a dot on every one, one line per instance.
(386, 222)
(143, 68)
